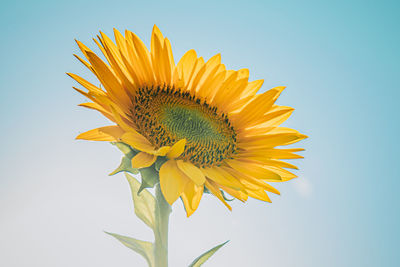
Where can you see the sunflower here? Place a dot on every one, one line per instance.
(209, 126)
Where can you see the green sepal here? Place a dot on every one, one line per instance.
(144, 203)
(160, 161)
(205, 256)
(144, 248)
(149, 178)
(126, 149)
(126, 164)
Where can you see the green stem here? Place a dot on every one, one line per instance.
(162, 212)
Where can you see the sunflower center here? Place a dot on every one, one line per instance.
(165, 115)
(189, 123)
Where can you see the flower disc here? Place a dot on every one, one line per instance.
(165, 115)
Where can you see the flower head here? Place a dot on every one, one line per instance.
(206, 122)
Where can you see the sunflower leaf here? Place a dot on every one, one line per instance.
(205, 256)
(144, 248)
(144, 203)
(149, 178)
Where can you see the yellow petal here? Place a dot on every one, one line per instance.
(143, 160)
(191, 197)
(197, 68)
(270, 140)
(162, 151)
(284, 174)
(157, 59)
(274, 153)
(138, 142)
(222, 177)
(114, 58)
(86, 84)
(253, 169)
(108, 79)
(144, 59)
(260, 105)
(120, 40)
(172, 181)
(238, 105)
(84, 62)
(214, 189)
(208, 87)
(277, 115)
(155, 34)
(210, 68)
(196, 78)
(132, 68)
(133, 62)
(167, 47)
(250, 182)
(223, 88)
(84, 50)
(186, 65)
(177, 149)
(238, 194)
(120, 121)
(100, 46)
(271, 162)
(168, 61)
(192, 172)
(233, 95)
(99, 108)
(243, 73)
(213, 66)
(252, 88)
(107, 133)
(268, 121)
(259, 194)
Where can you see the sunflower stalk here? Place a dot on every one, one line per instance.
(154, 211)
(162, 212)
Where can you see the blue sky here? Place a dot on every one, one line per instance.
(340, 63)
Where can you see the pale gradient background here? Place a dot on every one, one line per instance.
(340, 63)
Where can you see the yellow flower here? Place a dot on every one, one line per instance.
(207, 121)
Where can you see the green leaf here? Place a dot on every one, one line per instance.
(205, 256)
(149, 178)
(144, 248)
(144, 202)
(125, 166)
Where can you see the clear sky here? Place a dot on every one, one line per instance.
(340, 63)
